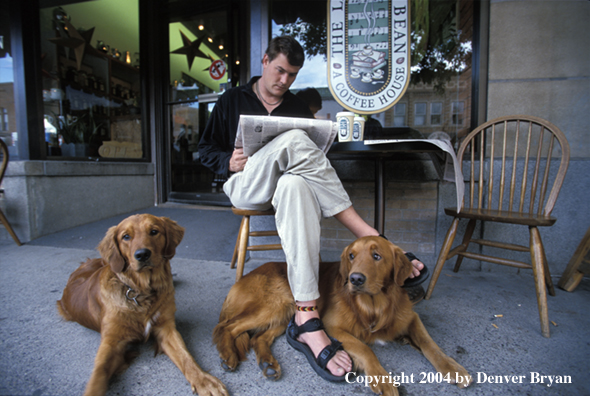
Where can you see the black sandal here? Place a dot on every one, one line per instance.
(417, 280)
(319, 364)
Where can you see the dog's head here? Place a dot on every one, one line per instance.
(371, 264)
(140, 241)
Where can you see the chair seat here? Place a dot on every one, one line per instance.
(503, 216)
(246, 212)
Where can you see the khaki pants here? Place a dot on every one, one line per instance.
(294, 176)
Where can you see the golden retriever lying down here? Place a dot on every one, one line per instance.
(361, 302)
(128, 296)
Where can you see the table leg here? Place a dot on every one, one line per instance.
(380, 195)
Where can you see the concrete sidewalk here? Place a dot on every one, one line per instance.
(40, 354)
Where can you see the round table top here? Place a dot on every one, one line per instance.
(361, 149)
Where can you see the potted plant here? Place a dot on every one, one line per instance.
(76, 133)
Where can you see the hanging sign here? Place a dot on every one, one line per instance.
(217, 69)
(368, 53)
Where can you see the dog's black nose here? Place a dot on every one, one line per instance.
(357, 279)
(142, 254)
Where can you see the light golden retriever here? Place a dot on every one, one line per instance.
(128, 296)
(362, 302)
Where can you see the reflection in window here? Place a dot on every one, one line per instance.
(7, 109)
(419, 113)
(91, 92)
(436, 113)
(3, 119)
(399, 115)
(457, 109)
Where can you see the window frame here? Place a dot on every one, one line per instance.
(421, 114)
(439, 113)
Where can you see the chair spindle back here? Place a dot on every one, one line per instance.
(515, 164)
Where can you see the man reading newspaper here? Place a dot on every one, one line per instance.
(293, 176)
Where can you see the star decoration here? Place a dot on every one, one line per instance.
(191, 49)
(75, 40)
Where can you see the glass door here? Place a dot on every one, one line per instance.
(203, 64)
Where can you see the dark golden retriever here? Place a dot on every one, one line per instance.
(361, 302)
(128, 296)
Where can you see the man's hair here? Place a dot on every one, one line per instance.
(287, 46)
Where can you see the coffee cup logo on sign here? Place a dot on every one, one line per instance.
(368, 53)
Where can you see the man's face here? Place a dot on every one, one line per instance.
(278, 75)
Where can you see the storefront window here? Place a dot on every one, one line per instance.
(7, 115)
(202, 60)
(91, 84)
(441, 52)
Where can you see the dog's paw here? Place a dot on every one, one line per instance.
(270, 371)
(225, 365)
(385, 389)
(458, 376)
(462, 379)
(209, 385)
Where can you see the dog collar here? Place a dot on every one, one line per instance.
(131, 295)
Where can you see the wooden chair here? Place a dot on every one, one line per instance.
(244, 234)
(501, 192)
(578, 266)
(3, 219)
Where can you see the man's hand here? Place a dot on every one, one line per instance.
(238, 160)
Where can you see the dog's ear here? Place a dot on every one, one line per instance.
(402, 267)
(174, 234)
(345, 264)
(109, 250)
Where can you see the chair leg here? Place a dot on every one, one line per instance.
(465, 243)
(8, 227)
(442, 257)
(244, 236)
(537, 256)
(234, 257)
(548, 280)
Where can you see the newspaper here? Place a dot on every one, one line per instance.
(445, 146)
(256, 131)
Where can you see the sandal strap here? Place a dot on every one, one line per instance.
(411, 256)
(310, 326)
(328, 353)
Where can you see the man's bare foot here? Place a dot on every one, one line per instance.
(341, 363)
(418, 265)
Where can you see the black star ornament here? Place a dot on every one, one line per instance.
(191, 49)
(76, 41)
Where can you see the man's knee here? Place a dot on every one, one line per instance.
(296, 138)
(293, 184)
(293, 191)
